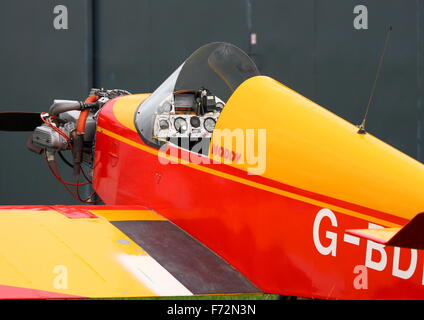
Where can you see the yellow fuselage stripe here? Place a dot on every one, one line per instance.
(127, 215)
(125, 108)
(251, 183)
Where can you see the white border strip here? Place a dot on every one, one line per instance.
(149, 272)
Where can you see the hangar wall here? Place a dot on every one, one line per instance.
(309, 45)
(38, 64)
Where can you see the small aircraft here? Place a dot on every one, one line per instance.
(222, 181)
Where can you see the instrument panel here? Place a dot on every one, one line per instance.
(187, 115)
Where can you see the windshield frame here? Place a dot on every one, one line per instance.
(220, 67)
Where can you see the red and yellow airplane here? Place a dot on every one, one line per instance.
(222, 181)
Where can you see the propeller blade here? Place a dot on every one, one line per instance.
(19, 121)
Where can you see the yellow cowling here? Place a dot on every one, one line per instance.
(311, 148)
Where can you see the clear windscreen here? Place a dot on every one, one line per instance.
(191, 99)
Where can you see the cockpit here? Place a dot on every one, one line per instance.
(185, 108)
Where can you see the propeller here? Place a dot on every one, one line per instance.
(19, 121)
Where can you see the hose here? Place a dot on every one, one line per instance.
(79, 137)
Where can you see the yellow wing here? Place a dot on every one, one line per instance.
(105, 251)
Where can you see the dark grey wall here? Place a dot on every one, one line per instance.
(140, 43)
(309, 45)
(38, 64)
(313, 47)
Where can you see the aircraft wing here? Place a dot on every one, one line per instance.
(105, 251)
(409, 236)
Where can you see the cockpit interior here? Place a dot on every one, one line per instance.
(185, 109)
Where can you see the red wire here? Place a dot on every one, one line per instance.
(65, 184)
(85, 176)
(68, 140)
(86, 200)
(60, 180)
(55, 170)
(59, 177)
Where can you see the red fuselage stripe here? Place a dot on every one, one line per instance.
(224, 168)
